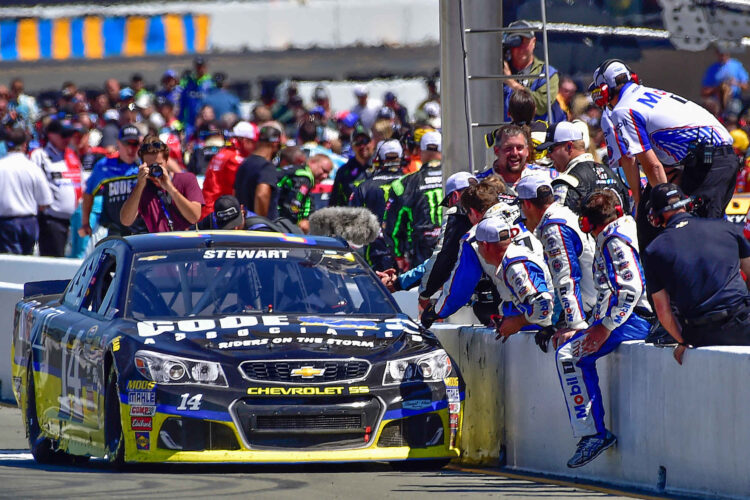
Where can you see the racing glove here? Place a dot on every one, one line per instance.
(543, 337)
(429, 316)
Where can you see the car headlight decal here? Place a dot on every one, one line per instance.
(429, 367)
(166, 369)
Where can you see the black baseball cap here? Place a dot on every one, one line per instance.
(269, 134)
(58, 127)
(129, 133)
(228, 212)
(663, 193)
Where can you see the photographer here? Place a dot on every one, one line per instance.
(167, 201)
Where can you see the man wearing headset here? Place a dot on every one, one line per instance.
(705, 284)
(579, 173)
(618, 316)
(671, 137)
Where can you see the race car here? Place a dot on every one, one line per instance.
(230, 346)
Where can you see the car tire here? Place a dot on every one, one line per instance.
(114, 439)
(420, 465)
(41, 447)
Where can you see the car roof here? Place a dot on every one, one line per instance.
(199, 239)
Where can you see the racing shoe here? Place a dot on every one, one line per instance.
(590, 447)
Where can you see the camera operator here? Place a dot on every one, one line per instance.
(704, 284)
(167, 201)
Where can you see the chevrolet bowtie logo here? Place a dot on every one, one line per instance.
(308, 372)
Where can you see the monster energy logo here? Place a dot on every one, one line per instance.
(434, 197)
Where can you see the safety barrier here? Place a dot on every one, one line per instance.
(681, 429)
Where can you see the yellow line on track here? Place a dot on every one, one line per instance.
(555, 482)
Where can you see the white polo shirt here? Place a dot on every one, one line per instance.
(23, 186)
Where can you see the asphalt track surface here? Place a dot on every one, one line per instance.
(21, 477)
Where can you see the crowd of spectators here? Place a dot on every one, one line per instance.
(572, 233)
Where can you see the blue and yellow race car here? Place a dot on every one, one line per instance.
(229, 347)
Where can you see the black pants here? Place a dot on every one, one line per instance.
(53, 235)
(714, 186)
(18, 234)
(734, 330)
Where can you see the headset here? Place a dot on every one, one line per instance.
(377, 163)
(657, 218)
(585, 222)
(600, 94)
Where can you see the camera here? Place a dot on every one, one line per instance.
(155, 170)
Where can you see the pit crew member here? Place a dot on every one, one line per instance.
(618, 316)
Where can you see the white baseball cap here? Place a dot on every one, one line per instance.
(459, 180)
(360, 90)
(608, 71)
(246, 130)
(528, 187)
(390, 147)
(431, 141)
(560, 132)
(492, 230)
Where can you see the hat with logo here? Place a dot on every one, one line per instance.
(245, 130)
(492, 230)
(390, 150)
(528, 188)
(269, 134)
(227, 212)
(129, 133)
(663, 193)
(456, 182)
(431, 141)
(560, 132)
(608, 71)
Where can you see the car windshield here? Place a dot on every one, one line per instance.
(217, 281)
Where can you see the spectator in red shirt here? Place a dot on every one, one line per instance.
(166, 201)
(222, 170)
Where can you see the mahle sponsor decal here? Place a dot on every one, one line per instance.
(140, 398)
(306, 391)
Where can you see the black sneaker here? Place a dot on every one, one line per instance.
(589, 448)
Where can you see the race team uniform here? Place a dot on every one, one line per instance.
(583, 176)
(373, 194)
(569, 253)
(525, 285)
(470, 265)
(348, 176)
(220, 176)
(678, 130)
(413, 214)
(621, 302)
(295, 202)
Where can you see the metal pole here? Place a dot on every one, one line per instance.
(467, 92)
(550, 118)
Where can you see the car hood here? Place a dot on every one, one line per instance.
(301, 336)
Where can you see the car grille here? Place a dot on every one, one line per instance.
(309, 422)
(306, 423)
(281, 371)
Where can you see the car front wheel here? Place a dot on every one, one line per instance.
(113, 435)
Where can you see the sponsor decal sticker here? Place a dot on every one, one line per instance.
(415, 404)
(142, 441)
(306, 391)
(141, 385)
(142, 411)
(245, 254)
(141, 398)
(141, 423)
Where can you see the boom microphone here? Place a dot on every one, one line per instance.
(356, 225)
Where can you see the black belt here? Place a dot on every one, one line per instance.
(714, 317)
(724, 150)
(17, 217)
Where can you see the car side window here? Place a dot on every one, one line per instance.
(79, 284)
(100, 290)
